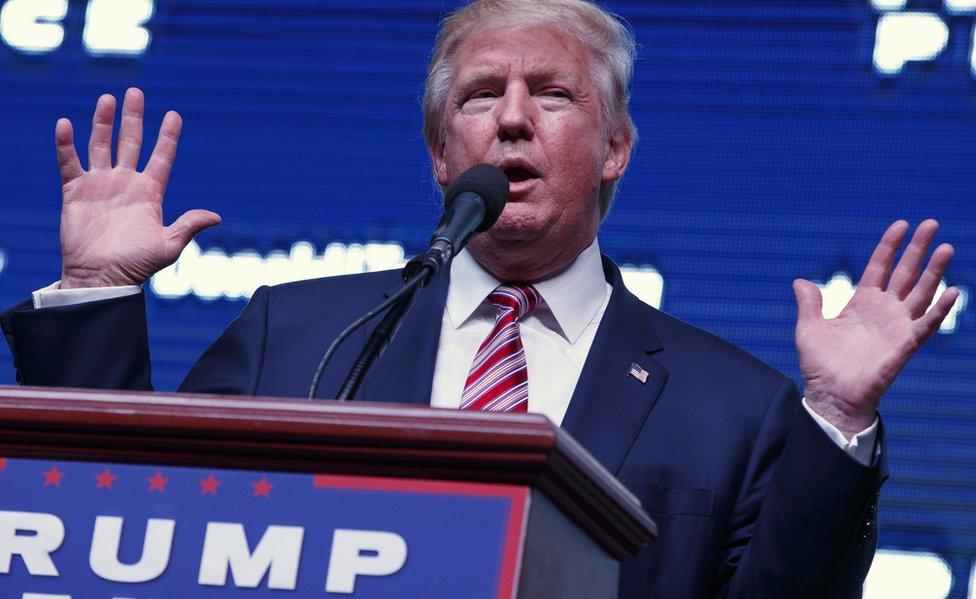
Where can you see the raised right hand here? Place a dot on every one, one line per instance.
(112, 229)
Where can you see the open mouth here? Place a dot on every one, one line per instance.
(517, 174)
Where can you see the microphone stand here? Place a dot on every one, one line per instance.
(475, 201)
(416, 275)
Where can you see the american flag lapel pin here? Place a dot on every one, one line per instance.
(638, 372)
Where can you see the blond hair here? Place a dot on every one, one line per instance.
(604, 35)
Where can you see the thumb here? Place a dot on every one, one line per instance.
(189, 224)
(809, 301)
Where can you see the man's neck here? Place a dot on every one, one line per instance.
(513, 262)
(572, 297)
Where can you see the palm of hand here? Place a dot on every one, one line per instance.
(848, 362)
(112, 230)
(107, 215)
(858, 354)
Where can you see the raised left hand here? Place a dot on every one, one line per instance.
(848, 362)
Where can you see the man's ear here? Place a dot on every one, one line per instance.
(619, 147)
(440, 165)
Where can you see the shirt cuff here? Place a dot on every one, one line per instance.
(861, 445)
(53, 296)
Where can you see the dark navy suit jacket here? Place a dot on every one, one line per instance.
(751, 498)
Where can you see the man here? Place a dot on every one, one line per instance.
(755, 493)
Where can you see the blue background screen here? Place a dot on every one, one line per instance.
(777, 140)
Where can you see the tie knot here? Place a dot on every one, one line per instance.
(520, 299)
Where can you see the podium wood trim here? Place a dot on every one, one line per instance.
(326, 437)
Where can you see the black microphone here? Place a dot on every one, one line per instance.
(471, 205)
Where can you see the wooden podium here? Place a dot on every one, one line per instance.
(138, 495)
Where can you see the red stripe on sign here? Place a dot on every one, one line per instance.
(410, 485)
(514, 542)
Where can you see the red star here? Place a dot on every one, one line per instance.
(208, 486)
(3, 464)
(262, 488)
(53, 477)
(157, 482)
(105, 480)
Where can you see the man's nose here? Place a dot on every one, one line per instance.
(516, 114)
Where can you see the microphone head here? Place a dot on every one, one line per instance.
(489, 183)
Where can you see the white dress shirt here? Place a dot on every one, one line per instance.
(557, 336)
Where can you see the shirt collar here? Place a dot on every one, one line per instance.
(574, 296)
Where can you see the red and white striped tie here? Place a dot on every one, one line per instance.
(498, 380)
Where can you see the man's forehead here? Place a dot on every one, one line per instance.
(483, 69)
(488, 56)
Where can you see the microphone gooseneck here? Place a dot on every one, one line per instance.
(407, 291)
(471, 205)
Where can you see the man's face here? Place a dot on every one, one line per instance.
(525, 101)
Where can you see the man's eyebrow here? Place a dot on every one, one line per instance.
(545, 73)
(542, 71)
(534, 73)
(481, 74)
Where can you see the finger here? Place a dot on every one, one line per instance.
(64, 146)
(879, 266)
(932, 320)
(161, 162)
(130, 129)
(921, 296)
(905, 275)
(187, 226)
(100, 143)
(809, 301)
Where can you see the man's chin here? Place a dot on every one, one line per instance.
(520, 233)
(518, 224)
(503, 240)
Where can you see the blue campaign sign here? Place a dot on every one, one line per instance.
(95, 530)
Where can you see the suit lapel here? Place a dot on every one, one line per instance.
(609, 405)
(405, 371)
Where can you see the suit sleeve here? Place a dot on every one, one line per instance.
(101, 344)
(104, 345)
(803, 523)
(232, 364)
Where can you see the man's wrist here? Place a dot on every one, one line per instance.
(85, 278)
(862, 446)
(849, 419)
(75, 282)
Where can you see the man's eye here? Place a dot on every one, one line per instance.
(482, 94)
(556, 93)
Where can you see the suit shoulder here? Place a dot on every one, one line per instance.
(689, 347)
(357, 287)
